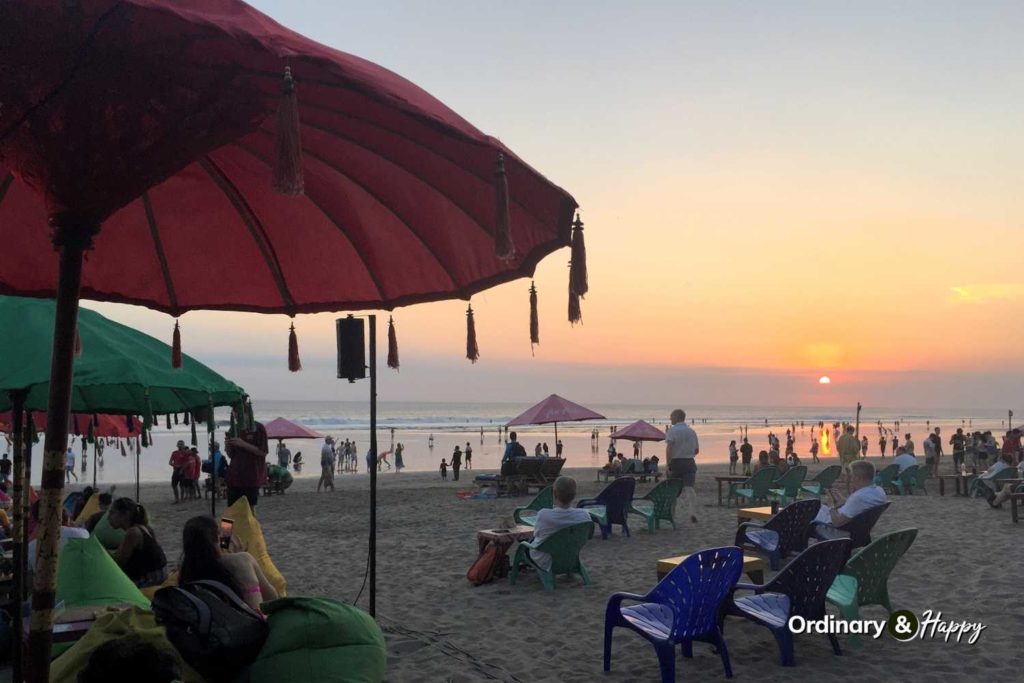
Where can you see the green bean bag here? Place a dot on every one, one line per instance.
(107, 535)
(317, 640)
(87, 575)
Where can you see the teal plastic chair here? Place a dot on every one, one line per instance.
(754, 489)
(904, 481)
(823, 481)
(564, 546)
(919, 481)
(884, 477)
(659, 504)
(787, 487)
(977, 482)
(528, 515)
(865, 579)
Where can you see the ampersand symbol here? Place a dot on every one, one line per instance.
(902, 625)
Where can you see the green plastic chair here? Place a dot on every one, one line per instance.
(564, 547)
(528, 515)
(755, 488)
(823, 480)
(787, 487)
(904, 481)
(919, 480)
(865, 579)
(658, 504)
(885, 476)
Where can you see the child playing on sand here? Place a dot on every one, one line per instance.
(444, 470)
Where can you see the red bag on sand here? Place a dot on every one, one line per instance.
(485, 567)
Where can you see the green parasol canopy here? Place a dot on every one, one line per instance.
(116, 368)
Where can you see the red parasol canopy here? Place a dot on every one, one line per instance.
(555, 409)
(280, 428)
(110, 426)
(639, 431)
(156, 119)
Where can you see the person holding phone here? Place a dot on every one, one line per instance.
(204, 558)
(864, 495)
(248, 469)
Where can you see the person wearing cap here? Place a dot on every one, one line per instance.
(179, 459)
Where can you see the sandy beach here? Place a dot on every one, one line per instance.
(441, 628)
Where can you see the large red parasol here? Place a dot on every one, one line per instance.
(280, 428)
(639, 431)
(168, 123)
(555, 409)
(106, 426)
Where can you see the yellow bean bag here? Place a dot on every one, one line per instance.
(150, 591)
(92, 506)
(249, 533)
(129, 622)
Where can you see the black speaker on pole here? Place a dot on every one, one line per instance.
(351, 349)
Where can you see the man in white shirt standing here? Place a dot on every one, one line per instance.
(681, 449)
(864, 495)
(550, 520)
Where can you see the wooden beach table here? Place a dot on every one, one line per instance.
(753, 566)
(503, 540)
(758, 513)
(728, 478)
(1015, 499)
(958, 480)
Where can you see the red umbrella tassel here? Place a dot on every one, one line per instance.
(294, 364)
(578, 269)
(472, 350)
(392, 345)
(287, 144)
(176, 347)
(534, 318)
(503, 246)
(575, 314)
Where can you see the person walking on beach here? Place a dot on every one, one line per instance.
(959, 443)
(69, 467)
(469, 456)
(326, 465)
(681, 449)
(864, 447)
(177, 463)
(849, 449)
(882, 443)
(747, 454)
(936, 438)
(558, 448)
(456, 463)
(734, 456)
(430, 442)
(895, 443)
(399, 463)
(444, 470)
(814, 448)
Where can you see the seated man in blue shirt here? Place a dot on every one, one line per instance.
(513, 449)
(562, 515)
(864, 495)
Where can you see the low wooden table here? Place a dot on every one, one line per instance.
(753, 566)
(728, 478)
(74, 623)
(503, 540)
(958, 480)
(758, 513)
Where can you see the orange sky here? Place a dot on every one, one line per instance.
(831, 200)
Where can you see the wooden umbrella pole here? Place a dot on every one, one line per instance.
(71, 236)
(17, 415)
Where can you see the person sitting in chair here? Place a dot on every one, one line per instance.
(904, 459)
(864, 495)
(562, 515)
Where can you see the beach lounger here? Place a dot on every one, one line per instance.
(857, 529)
(528, 515)
(865, 579)
(787, 487)
(551, 468)
(823, 480)
(784, 533)
(611, 506)
(659, 504)
(682, 608)
(798, 590)
(529, 470)
(564, 546)
(885, 476)
(754, 489)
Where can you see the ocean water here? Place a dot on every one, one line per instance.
(414, 423)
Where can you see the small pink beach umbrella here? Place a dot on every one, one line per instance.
(640, 431)
(280, 428)
(555, 409)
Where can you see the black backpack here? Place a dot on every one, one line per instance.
(210, 626)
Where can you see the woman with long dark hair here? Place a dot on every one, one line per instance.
(140, 555)
(203, 559)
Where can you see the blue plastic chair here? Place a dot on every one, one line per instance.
(682, 608)
(611, 505)
(784, 533)
(798, 590)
